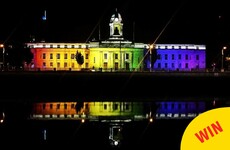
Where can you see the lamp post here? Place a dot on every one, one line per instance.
(222, 58)
(150, 57)
(3, 56)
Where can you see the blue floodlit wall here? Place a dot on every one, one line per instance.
(178, 57)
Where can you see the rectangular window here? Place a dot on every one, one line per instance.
(179, 56)
(105, 106)
(86, 56)
(186, 57)
(166, 56)
(116, 56)
(72, 56)
(159, 65)
(172, 106)
(44, 106)
(197, 57)
(105, 65)
(51, 56)
(44, 64)
(126, 106)
(72, 106)
(105, 56)
(65, 106)
(116, 65)
(173, 57)
(115, 107)
(51, 64)
(65, 56)
(186, 65)
(126, 56)
(44, 56)
(127, 66)
(166, 65)
(65, 65)
(58, 56)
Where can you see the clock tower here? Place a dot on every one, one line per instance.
(116, 27)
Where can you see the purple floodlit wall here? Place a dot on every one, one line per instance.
(179, 57)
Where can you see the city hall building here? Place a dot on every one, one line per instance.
(116, 54)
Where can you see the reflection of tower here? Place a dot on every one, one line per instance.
(115, 134)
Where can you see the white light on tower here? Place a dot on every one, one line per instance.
(44, 16)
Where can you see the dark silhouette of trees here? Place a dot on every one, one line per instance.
(79, 106)
(79, 58)
(17, 55)
(27, 55)
(154, 57)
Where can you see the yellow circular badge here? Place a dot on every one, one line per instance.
(208, 131)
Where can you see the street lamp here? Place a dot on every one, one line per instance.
(222, 58)
(3, 55)
(150, 57)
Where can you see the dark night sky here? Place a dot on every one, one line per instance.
(192, 22)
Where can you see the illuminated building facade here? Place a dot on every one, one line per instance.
(94, 111)
(122, 111)
(180, 57)
(117, 54)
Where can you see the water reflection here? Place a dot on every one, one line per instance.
(117, 111)
(106, 124)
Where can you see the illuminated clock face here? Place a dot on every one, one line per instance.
(116, 19)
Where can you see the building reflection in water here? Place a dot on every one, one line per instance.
(105, 123)
(116, 114)
(114, 111)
